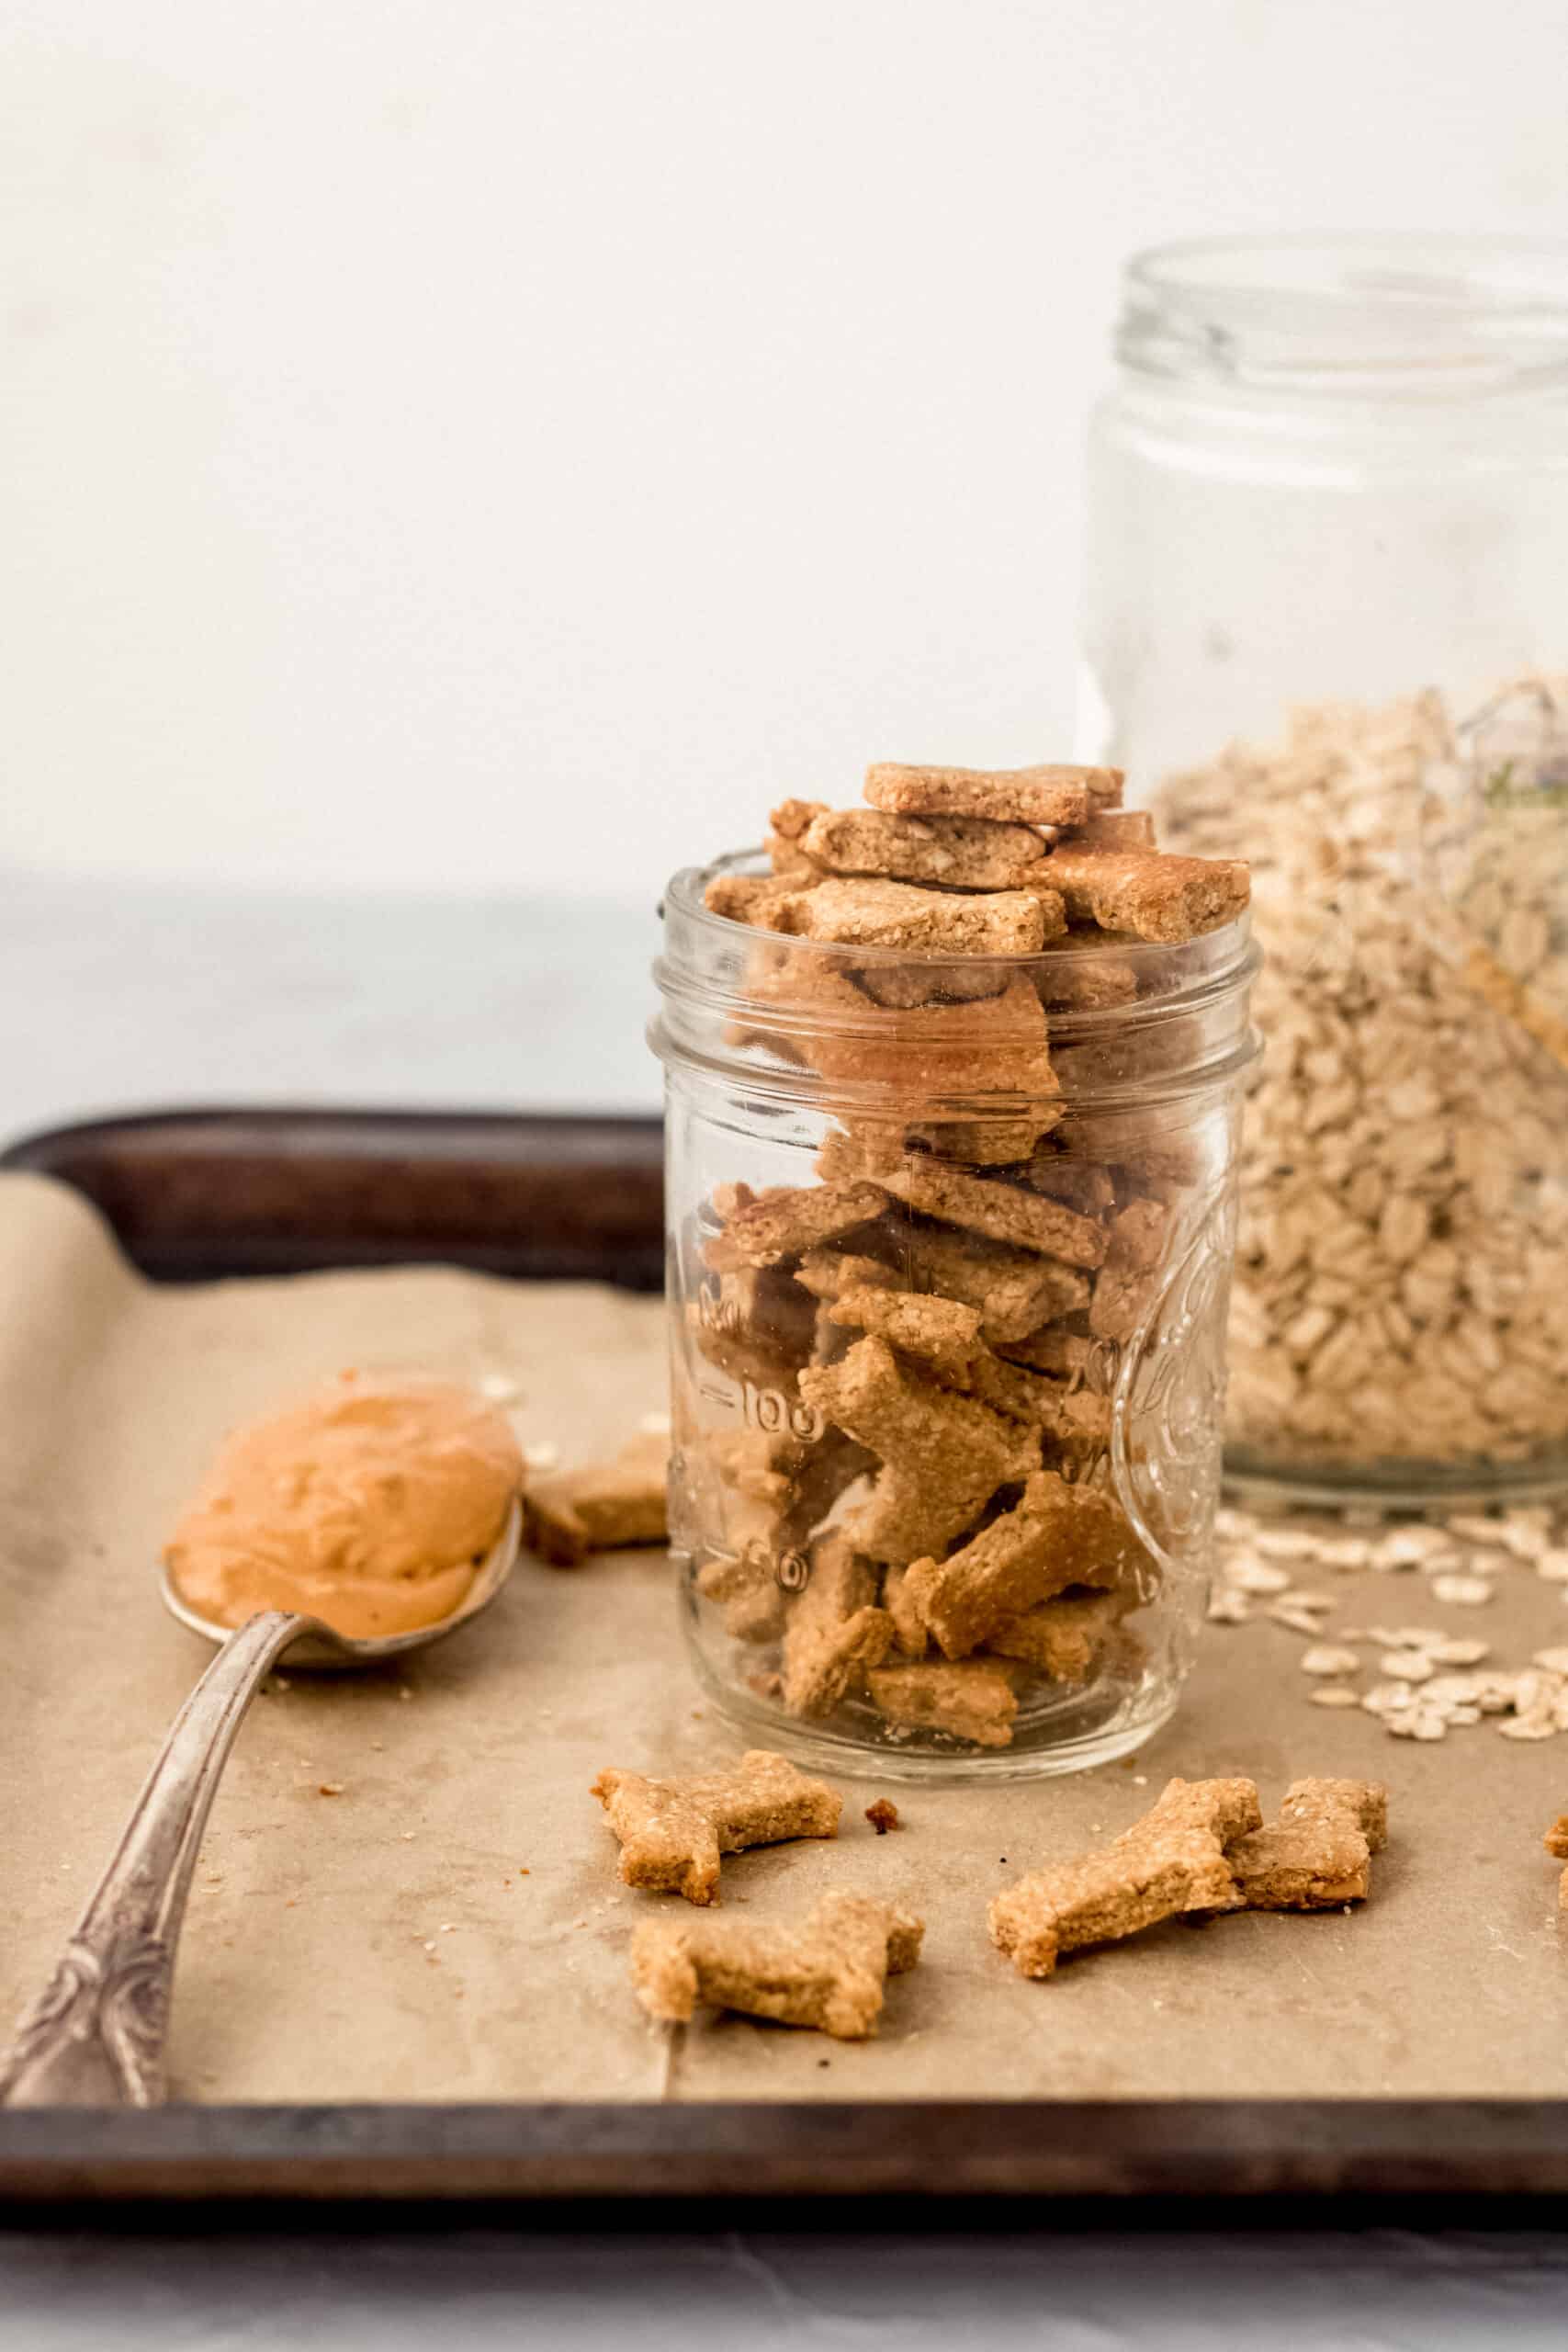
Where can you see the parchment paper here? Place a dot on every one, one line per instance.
(384, 1943)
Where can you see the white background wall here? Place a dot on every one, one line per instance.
(501, 443)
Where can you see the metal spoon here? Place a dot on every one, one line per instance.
(95, 2038)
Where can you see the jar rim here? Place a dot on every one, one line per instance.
(687, 887)
(713, 1019)
(1361, 315)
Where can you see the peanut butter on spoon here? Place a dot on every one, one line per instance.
(370, 1506)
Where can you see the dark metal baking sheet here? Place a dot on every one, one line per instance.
(192, 1194)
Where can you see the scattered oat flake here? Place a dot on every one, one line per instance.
(330, 1789)
(1407, 1547)
(1297, 1619)
(1256, 1576)
(1555, 1661)
(542, 1455)
(1408, 1666)
(1473, 1530)
(1226, 1608)
(1334, 1694)
(1328, 1660)
(1553, 1567)
(1528, 1727)
(499, 1388)
(655, 1425)
(1461, 1652)
(1285, 1542)
(1461, 1592)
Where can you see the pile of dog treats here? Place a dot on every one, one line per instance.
(934, 1324)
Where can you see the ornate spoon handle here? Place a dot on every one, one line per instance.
(95, 2038)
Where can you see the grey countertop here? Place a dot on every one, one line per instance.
(114, 999)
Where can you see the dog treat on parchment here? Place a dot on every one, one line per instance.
(672, 1832)
(943, 1454)
(1055, 1536)
(602, 1506)
(1046, 795)
(1318, 1855)
(829, 1972)
(1173, 1860)
(960, 852)
(976, 1700)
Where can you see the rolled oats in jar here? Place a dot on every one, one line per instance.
(951, 1209)
(1328, 615)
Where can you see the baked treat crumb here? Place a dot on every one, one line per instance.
(882, 1816)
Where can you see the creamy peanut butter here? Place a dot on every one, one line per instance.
(371, 1508)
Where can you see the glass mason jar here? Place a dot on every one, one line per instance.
(949, 1250)
(1326, 630)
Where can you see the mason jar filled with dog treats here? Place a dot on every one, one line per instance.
(1327, 624)
(953, 1084)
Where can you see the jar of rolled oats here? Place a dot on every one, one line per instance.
(949, 1251)
(1327, 624)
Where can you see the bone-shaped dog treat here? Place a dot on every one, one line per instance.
(1055, 1536)
(1078, 1421)
(941, 1333)
(961, 853)
(1115, 829)
(1147, 893)
(755, 898)
(829, 1274)
(943, 1455)
(999, 1042)
(976, 1700)
(868, 912)
(834, 1630)
(748, 1590)
(1125, 1286)
(1062, 1638)
(1005, 1213)
(602, 1506)
(910, 1637)
(1016, 1291)
(829, 1972)
(788, 852)
(1318, 1853)
(760, 1328)
(1174, 1859)
(672, 1832)
(783, 1222)
(1062, 1353)
(1046, 795)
